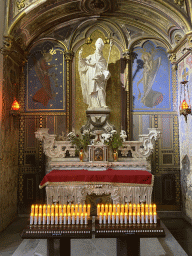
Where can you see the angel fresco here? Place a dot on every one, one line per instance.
(150, 98)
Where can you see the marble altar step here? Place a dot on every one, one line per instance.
(104, 247)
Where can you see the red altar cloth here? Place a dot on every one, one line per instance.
(110, 175)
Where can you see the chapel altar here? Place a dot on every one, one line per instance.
(102, 162)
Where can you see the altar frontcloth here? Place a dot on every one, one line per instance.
(108, 176)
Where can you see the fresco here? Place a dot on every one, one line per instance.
(45, 79)
(151, 76)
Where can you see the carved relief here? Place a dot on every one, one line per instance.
(96, 6)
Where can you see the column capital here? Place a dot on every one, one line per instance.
(127, 54)
(69, 55)
(173, 57)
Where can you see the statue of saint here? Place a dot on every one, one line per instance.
(94, 74)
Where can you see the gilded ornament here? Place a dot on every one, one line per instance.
(20, 4)
(172, 57)
(89, 40)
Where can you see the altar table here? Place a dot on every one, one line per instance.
(72, 186)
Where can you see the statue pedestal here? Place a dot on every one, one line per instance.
(98, 119)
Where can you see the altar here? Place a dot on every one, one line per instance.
(108, 164)
(72, 186)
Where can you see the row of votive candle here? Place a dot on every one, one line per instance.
(124, 218)
(126, 208)
(46, 215)
(58, 209)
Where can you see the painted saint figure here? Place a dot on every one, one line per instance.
(44, 94)
(150, 97)
(94, 74)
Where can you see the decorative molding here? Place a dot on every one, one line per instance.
(96, 6)
(120, 193)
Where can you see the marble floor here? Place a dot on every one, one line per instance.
(177, 242)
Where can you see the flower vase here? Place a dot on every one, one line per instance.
(115, 155)
(81, 155)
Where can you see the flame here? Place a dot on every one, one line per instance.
(15, 105)
(184, 105)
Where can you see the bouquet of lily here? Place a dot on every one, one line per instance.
(112, 139)
(81, 143)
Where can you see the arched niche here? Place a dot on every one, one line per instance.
(114, 84)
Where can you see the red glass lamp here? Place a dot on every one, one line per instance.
(185, 108)
(15, 108)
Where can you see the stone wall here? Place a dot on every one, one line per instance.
(185, 135)
(9, 131)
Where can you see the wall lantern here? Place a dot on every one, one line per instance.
(185, 108)
(15, 108)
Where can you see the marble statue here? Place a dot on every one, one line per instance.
(94, 74)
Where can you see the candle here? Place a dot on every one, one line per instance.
(60, 209)
(134, 217)
(142, 218)
(81, 221)
(98, 210)
(121, 217)
(117, 218)
(86, 218)
(69, 218)
(126, 208)
(52, 209)
(68, 209)
(73, 219)
(36, 209)
(114, 208)
(84, 208)
(88, 209)
(72, 209)
(65, 218)
(110, 208)
(77, 219)
(44, 218)
(150, 208)
(134, 208)
(100, 218)
(146, 208)
(155, 217)
(105, 218)
(138, 208)
(44, 209)
(48, 209)
(125, 218)
(130, 208)
(64, 208)
(122, 208)
(109, 218)
(52, 218)
(31, 218)
(154, 208)
(32, 209)
(138, 217)
(76, 209)
(142, 208)
(35, 219)
(106, 208)
(80, 209)
(56, 208)
(39, 219)
(61, 218)
(151, 217)
(40, 209)
(113, 218)
(118, 208)
(102, 208)
(48, 218)
(130, 217)
(146, 217)
(56, 218)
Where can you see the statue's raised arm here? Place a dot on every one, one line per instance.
(94, 74)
